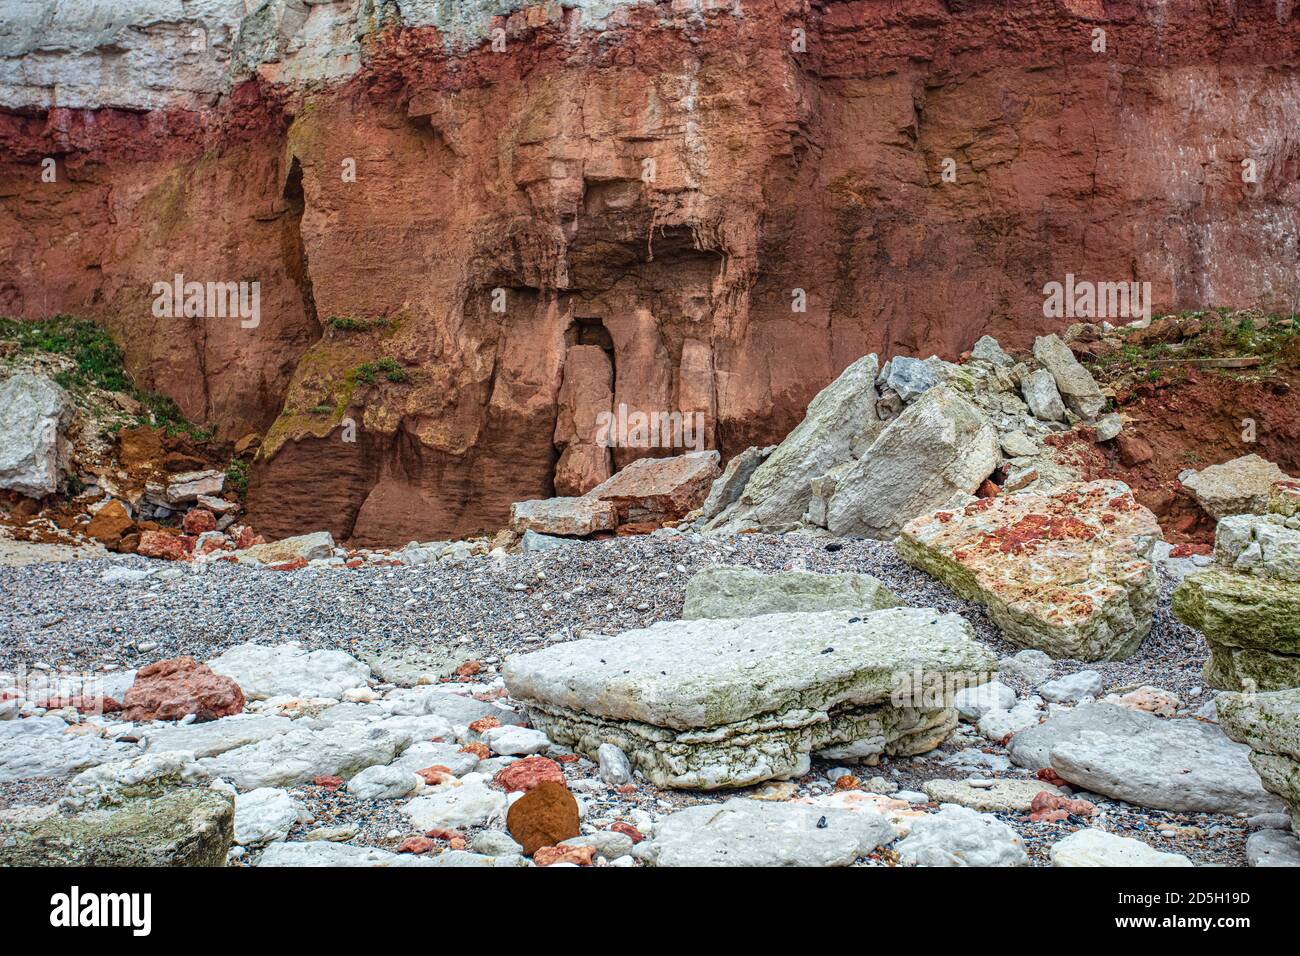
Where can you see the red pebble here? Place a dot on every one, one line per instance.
(416, 845)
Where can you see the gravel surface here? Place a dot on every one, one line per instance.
(66, 616)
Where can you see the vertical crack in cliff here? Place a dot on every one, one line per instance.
(293, 246)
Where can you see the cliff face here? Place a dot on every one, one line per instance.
(664, 181)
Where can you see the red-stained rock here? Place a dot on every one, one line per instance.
(1133, 450)
(296, 564)
(1068, 571)
(1054, 807)
(168, 547)
(586, 392)
(544, 816)
(478, 749)
(1048, 775)
(213, 544)
(484, 723)
(528, 773)
(620, 826)
(436, 775)
(417, 844)
(469, 669)
(177, 687)
(198, 520)
(248, 538)
(328, 782)
(578, 855)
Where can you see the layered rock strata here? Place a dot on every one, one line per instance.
(1248, 604)
(715, 703)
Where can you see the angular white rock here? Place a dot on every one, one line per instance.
(452, 806)
(958, 836)
(265, 671)
(265, 815)
(1092, 847)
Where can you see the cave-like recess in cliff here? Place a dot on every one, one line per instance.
(295, 249)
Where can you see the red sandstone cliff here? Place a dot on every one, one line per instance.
(526, 171)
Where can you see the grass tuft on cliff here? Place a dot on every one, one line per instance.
(98, 363)
(1272, 340)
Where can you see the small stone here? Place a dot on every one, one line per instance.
(987, 349)
(515, 741)
(524, 775)
(957, 836)
(988, 796)
(1072, 688)
(1272, 848)
(614, 767)
(576, 855)
(972, 703)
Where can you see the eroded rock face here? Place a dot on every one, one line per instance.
(1269, 723)
(1067, 572)
(713, 703)
(586, 392)
(537, 159)
(1248, 604)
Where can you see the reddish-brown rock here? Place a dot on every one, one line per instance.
(577, 855)
(1133, 450)
(436, 775)
(416, 844)
(658, 489)
(528, 773)
(165, 545)
(110, 525)
(198, 520)
(620, 826)
(180, 686)
(544, 816)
